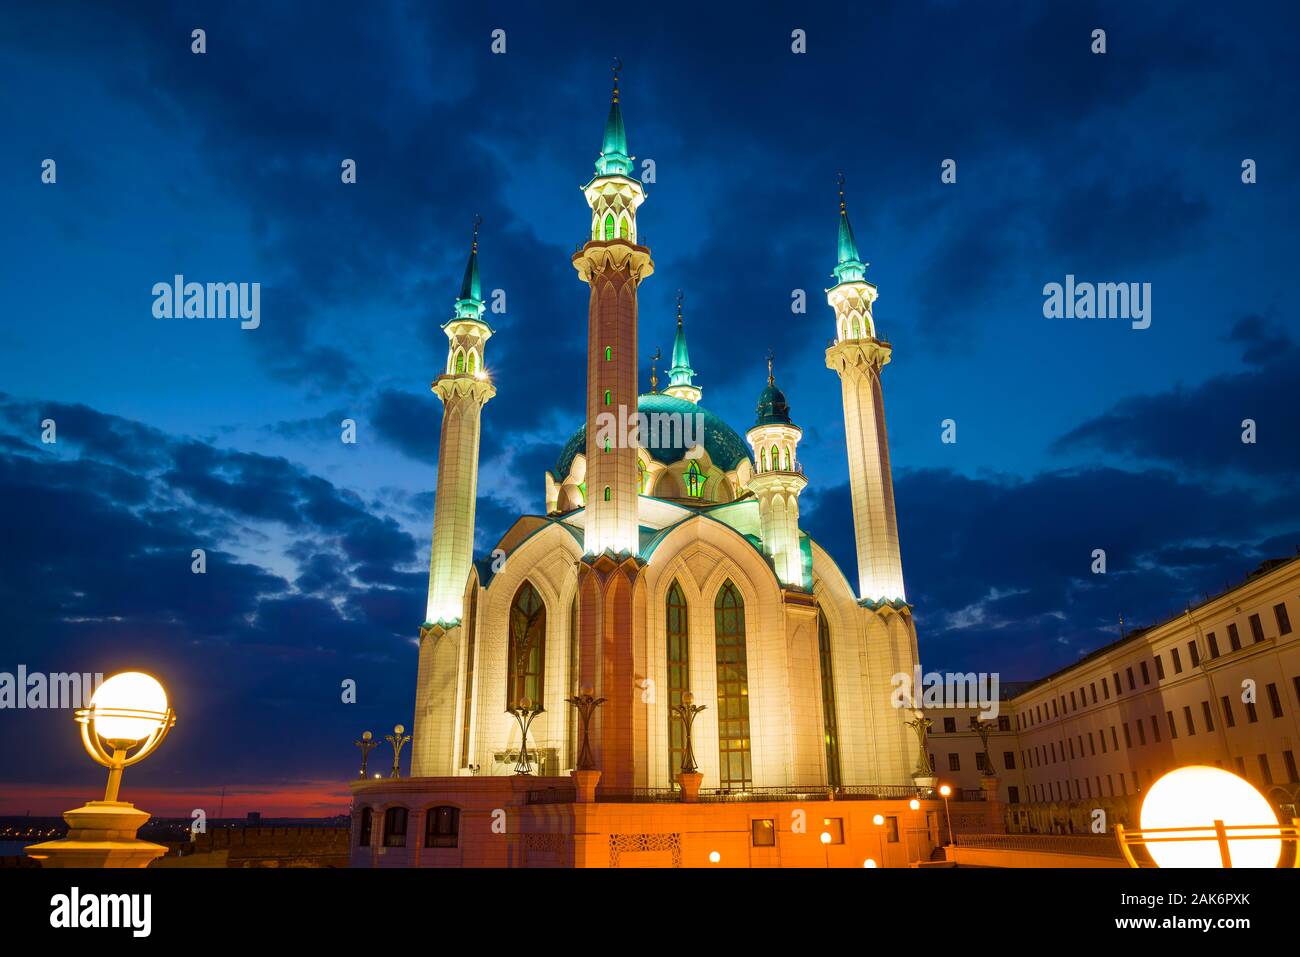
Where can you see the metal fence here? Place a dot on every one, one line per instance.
(857, 792)
(1090, 845)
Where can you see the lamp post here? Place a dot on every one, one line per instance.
(586, 703)
(690, 776)
(946, 791)
(128, 711)
(879, 822)
(826, 846)
(524, 713)
(585, 774)
(398, 740)
(366, 744)
(914, 805)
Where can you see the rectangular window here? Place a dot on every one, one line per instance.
(1092, 687)
(1142, 732)
(1105, 689)
(395, 827)
(1256, 628)
(1072, 706)
(834, 826)
(1265, 772)
(1234, 639)
(1102, 735)
(1195, 653)
(1114, 739)
(1241, 766)
(1213, 643)
(1187, 717)
(1283, 620)
(1055, 712)
(1295, 682)
(1208, 714)
(763, 832)
(954, 762)
(442, 827)
(1146, 673)
(1291, 774)
(979, 761)
(1178, 662)
(1160, 668)
(1155, 728)
(1123, 785)
(891, 830)
(1009, 760)
(1251, 714)
(1128, 736)
(1092, 744)
(949, 725)
(1274, 700)
(1013, 793)
(1228, 719)
(1004, 723)
(1132, 684)
(1110, 785)
(1173, 728)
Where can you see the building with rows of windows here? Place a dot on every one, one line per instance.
(1217, 685)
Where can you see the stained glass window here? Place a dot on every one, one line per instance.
(734, 767)
(527, 647)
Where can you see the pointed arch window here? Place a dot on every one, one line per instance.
(609, 397)
(607, 493)
(609, 353)
(694, 481)
(609, 225)
(460, 362)
(606, 443)
(472, 366)
(829, 723)
(527, 647)
(467, 700)
(623, 231)
(734, 762)
(785, 459)
(573, 680)
(678, 676)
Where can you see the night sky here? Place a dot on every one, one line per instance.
(1072, 434)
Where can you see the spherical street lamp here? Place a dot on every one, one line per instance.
(1200, 816)
(127, 719)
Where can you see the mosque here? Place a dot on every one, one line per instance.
(669, 567)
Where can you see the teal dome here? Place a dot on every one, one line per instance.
(726, 449)
(773, 408)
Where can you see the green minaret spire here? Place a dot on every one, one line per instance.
(849, 266)
(470, 304)
(681, 372)
(614, 159)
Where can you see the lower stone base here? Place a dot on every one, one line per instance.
(537, 822)
(100, 834)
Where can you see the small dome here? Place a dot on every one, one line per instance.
(772, 407)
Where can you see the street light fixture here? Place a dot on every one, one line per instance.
(398, 740)
(366, 744)
(1200, 816)
(127, 712)
(879, 821)
(525, 713)
(947, 792)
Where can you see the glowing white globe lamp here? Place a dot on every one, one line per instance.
(1201, 816)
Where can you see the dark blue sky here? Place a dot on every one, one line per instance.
(174, 435)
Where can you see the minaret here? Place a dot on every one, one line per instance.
(613, 265)
(681, 381)
(858, 356)
(464, 388)
(611, 646)
(778, 480)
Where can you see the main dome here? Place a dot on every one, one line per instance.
(726, 449)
